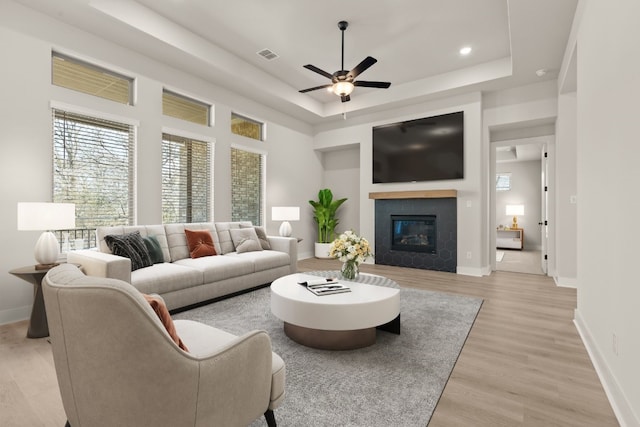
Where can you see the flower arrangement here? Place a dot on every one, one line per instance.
(351, 249)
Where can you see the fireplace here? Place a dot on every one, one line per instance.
(414, 233)
(416, 229)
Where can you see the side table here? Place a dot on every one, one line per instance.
(38, 326)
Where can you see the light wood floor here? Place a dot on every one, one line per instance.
(523, 363)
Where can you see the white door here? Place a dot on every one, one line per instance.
(544, 214)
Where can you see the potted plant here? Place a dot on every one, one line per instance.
(324, 214)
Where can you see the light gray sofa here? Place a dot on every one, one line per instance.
(184, 281)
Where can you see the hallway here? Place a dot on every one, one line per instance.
(525, 261)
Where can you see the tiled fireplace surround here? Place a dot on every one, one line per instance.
(441, 203)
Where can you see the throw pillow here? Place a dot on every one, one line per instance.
(245, 240)
(262, 235)
(131, 246)
(200, 243)
(155, 251)
(161, 310)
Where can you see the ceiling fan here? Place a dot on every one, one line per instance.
(343, 81)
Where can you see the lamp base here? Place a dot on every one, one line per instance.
(515, 222)
(285, 229)
(47, 249)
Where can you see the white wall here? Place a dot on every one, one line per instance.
(566, 185)
(525, 190)
(25, 118)
(608, 92)
(342, 176)
(470, 189)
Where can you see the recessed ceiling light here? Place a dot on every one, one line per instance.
(465, 50)
(541, 72)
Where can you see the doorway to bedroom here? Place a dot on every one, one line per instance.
(520, 204)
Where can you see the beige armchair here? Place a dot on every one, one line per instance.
(117, 365)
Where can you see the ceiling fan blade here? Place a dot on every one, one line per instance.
(315, 88)
(361, 67)
(379, 85)
(345, 98)
(318, 70)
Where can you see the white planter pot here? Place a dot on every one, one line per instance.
(322, 250)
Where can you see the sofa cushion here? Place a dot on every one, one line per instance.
(224, 236)
(262, 235)
(161, 310)
(177, 239)
(165, 278)
(263, 260)
(216, 268)
(145, 231)
(200, 243)
(155, 251)
(245, 240)
(131, 246)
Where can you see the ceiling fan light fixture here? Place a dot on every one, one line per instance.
(343, 88)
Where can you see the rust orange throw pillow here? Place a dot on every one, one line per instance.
(200, 243)
(163, 313)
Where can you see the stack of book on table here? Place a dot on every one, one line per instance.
(325, 286)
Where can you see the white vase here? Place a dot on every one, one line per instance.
(322, 250)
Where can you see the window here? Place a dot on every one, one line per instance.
(83, 77)
(184, 108)
(186, 180)
(247, 127)
(503, 181)
(93, 167)
(247, 188)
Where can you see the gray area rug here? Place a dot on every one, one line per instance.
(396, 382)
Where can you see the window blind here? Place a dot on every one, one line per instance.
(87, 78)
(245, 126)
(247, 189)
(184, 108)
(186, 180)
(94, 167)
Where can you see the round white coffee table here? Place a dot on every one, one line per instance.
(341, 321)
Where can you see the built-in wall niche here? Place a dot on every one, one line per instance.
(427, 223)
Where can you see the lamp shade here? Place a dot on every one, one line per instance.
(285, 213)
(46, 216)
(515, 210)
(343, 88)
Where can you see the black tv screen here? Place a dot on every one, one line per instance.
(427, 149)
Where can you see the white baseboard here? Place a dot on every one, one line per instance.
(13, 315)
(566, 282)
(470, 271)
(619, 402)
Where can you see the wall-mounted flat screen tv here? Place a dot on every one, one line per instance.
(427, 149)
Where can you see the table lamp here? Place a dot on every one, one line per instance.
(36, 216)
(515, 210)
(285, 214)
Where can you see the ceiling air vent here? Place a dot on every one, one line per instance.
(268, 54)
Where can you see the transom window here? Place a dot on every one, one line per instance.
(93, 167)
(87, 78)
(186, 180)
(245, 126)
(184, 108)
